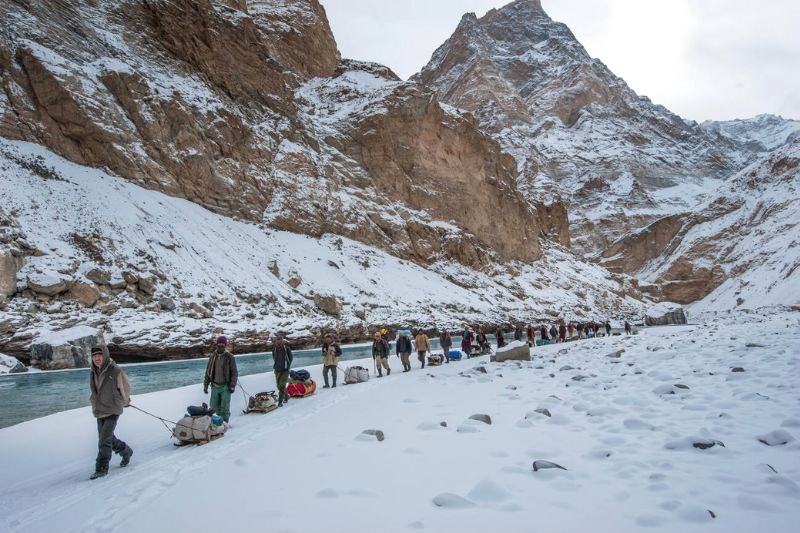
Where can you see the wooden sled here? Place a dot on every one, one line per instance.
(182, 443)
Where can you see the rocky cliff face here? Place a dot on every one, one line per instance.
(577, 131)
(204, 100)
(739, 248)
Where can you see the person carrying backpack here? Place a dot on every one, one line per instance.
(380, 352)
(281, 364)
(628, 328)
(331, 352)
(403, 347)
(222, 375)
(110, 394)
(445, 341)
(482, 340)
(608, 328)
(562, 332)
(422, 345)
(530, 332)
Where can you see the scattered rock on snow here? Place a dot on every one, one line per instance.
(328, 304)
(543, 411)
(617, 354)
(681, 386)
(486, 419)
(371, 434)
(47, 284)
(544, 465)
(85, 294)
(98, 276)
(737, 369)
(779, 437)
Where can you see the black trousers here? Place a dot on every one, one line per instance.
(107, 442)
(329, 369)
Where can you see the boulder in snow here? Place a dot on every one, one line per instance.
(10, 365)
(544, 465)
(98, 276)
(85, 294)
(486, 419)
(779, 437)
(47, 284)
(328, 304)
(147, 285)
(69, 348)
(514, 351)
(664, 314)
(9, 265)
(372, 434)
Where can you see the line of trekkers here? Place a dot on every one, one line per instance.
(110, 391)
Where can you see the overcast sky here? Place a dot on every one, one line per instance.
(703, 59)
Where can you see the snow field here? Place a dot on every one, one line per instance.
(625, 432)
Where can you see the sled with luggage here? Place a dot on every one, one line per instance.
(478, 350)
(355, 374)
(301, 389)
(199, 426)
(454, 355)
(262, 402)
(435, 359)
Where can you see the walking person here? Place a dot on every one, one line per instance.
(628, 328)
(222, 375)
(562, 332)
(553, 333)
(445, 341)
(331, 352)
(530, 332)
(482, 341)
(570, 330)
(517, 333)
(466, 341)
(380, 352)
(501, 341)
(580, 330)
(281, 364)
(403, 347)
(110, 394)
(422, 345)
(608, 328)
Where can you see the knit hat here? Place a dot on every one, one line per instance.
(222, 340)
(97, 350)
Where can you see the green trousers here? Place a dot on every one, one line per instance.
(220, 401)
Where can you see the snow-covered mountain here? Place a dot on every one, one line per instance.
(577, 130)
(739, 248)
(760, 134)
(162, 274)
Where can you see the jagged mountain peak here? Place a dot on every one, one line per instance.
(569, 121)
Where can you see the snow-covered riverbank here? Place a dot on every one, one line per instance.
(625, 432)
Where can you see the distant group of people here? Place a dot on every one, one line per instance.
(110, 391)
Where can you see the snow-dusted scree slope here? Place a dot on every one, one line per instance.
(678, 428)
(241, 272)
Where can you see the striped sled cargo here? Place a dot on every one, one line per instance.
(300, 384)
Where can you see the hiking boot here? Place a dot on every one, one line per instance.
(388, 371)
(126, 457)
(380, 375)
(327, 386)
(98, 473)
(333, 386)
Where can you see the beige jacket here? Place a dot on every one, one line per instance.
(421, 342)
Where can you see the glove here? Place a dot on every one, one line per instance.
(231, 389)
(205, 390)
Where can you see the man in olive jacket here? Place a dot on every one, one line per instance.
(110, 394)
(222, 375)
(281, 364)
